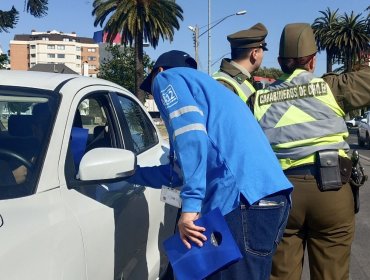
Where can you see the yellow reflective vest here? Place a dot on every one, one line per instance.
(244, 90)
(300, 116)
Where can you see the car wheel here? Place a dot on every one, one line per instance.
(360, 141)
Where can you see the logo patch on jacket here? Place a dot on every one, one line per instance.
(168, 96)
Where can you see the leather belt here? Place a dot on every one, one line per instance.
(310, 169)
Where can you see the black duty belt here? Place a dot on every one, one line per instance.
(310, 169)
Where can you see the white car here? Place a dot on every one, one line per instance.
(354, 122)
(67, 146)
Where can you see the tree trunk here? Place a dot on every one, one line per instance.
(349, 60)
(139, 66)
(329, 61)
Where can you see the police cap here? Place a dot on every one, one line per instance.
(297, 40)
(253, 37)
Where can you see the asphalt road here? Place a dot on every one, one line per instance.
(360, 260)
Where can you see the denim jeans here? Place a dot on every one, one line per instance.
(257, 229)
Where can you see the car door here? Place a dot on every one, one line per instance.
(133, 225)
(151, 151)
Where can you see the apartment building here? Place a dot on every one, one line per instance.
(53, 47)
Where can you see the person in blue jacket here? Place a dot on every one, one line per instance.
(225, 161)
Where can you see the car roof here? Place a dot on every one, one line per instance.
(44, 80)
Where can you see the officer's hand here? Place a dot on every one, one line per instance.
(189, 231)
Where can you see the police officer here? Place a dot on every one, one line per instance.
(247, 47)
(303, 119)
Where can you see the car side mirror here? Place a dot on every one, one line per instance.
(364, 120)
(107, 163)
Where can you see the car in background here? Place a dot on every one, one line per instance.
(68, 145)
(354, 122)
(365, 115)
(363, 132)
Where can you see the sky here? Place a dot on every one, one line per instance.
(75, 16)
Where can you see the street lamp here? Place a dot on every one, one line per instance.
(195, 31)
(196, 36)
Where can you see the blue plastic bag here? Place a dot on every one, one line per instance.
(196, 263)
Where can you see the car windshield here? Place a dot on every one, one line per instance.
(25, 124)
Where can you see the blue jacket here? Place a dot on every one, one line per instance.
(221, 149)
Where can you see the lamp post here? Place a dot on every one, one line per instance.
(209, 37)
(195, 31)
(196, 35)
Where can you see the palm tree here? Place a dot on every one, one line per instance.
(37, 8)
(322, 26)
(8, 19)
(351, 37)
(138, 20)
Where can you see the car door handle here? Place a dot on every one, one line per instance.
(1, 221)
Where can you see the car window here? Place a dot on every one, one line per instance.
(142, 131)
(92, 127)
(26, 121)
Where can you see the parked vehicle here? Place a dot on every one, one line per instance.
(363, 132)
(354, 122)
(67, 210)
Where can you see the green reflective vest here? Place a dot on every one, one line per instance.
(300, 116)
(244, 90)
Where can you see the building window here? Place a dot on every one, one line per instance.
(33, 55)
(51, 55)
(78, 65)
(60, 47)
(45, 38)
(78, 57)
(32, 64)
(51, 47)
(91, 58)
(91, 50)
(92, 67)
(61, 55)
(33, 47)
(66, 39)
(78, 49)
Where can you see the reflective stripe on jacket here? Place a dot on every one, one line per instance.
(244, 90)
(300, 116)
(216, 172)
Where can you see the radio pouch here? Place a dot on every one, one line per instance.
(329, 170)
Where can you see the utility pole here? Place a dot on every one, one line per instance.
(196, 35)
(195, 31)
(209, 37)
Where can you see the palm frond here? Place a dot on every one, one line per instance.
(8, 19)
(37, 8)
(154, 19)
